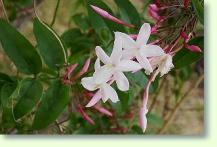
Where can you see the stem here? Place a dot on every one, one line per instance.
(4, 10)
(59, 127)
(55, 13)
(166, 7)
(177, 106)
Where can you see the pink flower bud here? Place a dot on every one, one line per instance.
(102, 110)
(153, 7)
(193, 48)
(83, 70)
(153, 14)
(86, 65)
(143, 119)
(84, 115)
(106, 15)
(69, 70)
(185, 37)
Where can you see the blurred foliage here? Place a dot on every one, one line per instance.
(35, 99)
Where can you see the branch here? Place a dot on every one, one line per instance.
(55, 13)
(177, 106)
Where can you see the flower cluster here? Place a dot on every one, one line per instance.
(128, 55)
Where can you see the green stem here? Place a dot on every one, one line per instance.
(55, 13)
(4, 10)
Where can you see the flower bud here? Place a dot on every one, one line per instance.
(193, 48)
(106, 15)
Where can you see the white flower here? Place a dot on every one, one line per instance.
(162, 63)
(105, 91)
(114, 66)
(139, 49)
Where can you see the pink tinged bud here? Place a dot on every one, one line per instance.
(69, 70)
(86, 65)
(143, 119)
(102, 110)
(106, 15)
(84, 69)
(143, 109)
(95, 99)
(154, 29)
(153, 14)
(185, 37)
(193, 48)
(153, 7)
(84, 115)
(186, 3)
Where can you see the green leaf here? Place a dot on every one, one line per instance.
(29, 94)
(54, 101)
(185, 57)
(19, 49)
(128, 12)
(199, 10)
(6, 96)
(77, 41)
(7, 91)
(49, 45)
(3, 80)
(81, 21)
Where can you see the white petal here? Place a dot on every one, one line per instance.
(143, 61)
(122, 81)
(127, 41)
(117, 50)
(128, 54)
(109, 93)
(95, 99)
(102, 55)
(151, 51)
(144, 34)
(88, 83)
(97, 65)
(168, 65)
(129, 65)
(103, 74)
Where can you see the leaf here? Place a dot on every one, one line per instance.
(3, 80)
(199, 10)
(7, 92)
(19, 49)
(81, 21)
(185, 57)
(49, 45)
(77, 41)
(128, 12)
(29, 94)
(53, 103)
